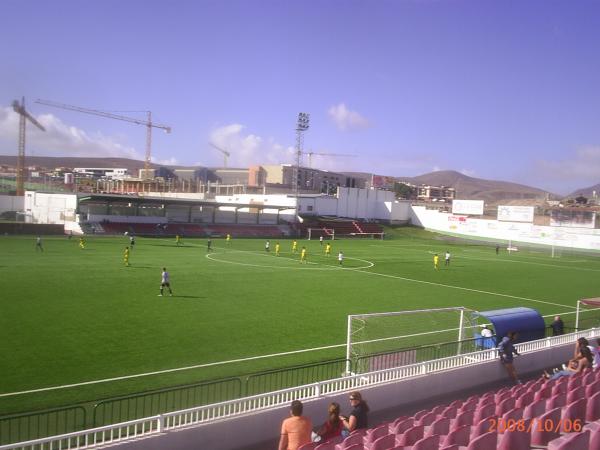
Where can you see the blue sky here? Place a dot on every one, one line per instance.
(495, 89)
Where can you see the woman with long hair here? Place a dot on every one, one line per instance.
(582, 361)
(333, 426)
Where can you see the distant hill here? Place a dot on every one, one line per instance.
(491, 191)
(50, 162)
(586, 192)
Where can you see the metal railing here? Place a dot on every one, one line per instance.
(411, 355)
(109, 434)
(131, 407)
(232, 408)
(19, 427)
(277, 379)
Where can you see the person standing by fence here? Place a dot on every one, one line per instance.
(558, 326)
(506, 349)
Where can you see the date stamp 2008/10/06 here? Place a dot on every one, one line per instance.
(535, 425)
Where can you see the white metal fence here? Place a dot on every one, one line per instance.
(111, 434)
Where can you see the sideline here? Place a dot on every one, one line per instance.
(159, 372)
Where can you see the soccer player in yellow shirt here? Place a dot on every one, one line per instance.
(126, 256)
(228, 239)
(436, 261)
(81, 243)
(328, 249)
(295, 246)
(177, 240)
(303, 255)
(277, 248)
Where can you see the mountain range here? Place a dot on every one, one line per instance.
(491, 191)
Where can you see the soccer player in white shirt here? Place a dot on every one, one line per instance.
(165, 282)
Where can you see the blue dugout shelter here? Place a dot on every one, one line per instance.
(527, 322)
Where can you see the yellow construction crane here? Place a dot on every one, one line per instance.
(147, 123)
(226, 154)
(335, 155)
(24, 116)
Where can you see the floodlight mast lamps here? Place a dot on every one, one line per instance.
(301, 126)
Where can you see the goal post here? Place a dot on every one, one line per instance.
(391, 333)
(315, 233)
(587, 314)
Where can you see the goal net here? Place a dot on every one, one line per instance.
(316, 233)
(587, 314)
(382, 340)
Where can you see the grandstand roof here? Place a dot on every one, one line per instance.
(173, 201)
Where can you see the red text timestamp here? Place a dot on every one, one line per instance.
(535, 425)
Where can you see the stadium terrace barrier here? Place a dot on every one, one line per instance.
(233, 408)
(20, 427)
(131, 407)
(110, 434)
(411, 355)
(294, 376)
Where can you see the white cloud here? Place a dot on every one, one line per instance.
(246, 149)
(468, 172)
(61, 139)
(165, 162)
(346, 119)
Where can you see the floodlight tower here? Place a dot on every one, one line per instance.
(301, 126)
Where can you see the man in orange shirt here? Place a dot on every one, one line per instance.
(296, 430)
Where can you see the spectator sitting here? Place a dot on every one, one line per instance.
(582, 361)
(485, 341)
(558, 326)
(583, 342)
(333, 426)
(295, 430)
(358, 416)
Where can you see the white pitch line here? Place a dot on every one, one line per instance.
(160, 372)
(449, 286)
(514, 261)
(324, 266)
(554, 266)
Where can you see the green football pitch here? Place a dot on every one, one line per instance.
(71, 316)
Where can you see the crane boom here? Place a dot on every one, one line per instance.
(147, 123)
(226, 154)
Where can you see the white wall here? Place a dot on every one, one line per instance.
(580, 238)
(50, 208)
(11, 203)
(275, 200)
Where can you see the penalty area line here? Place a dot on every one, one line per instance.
(161, 372)
(449, 286)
